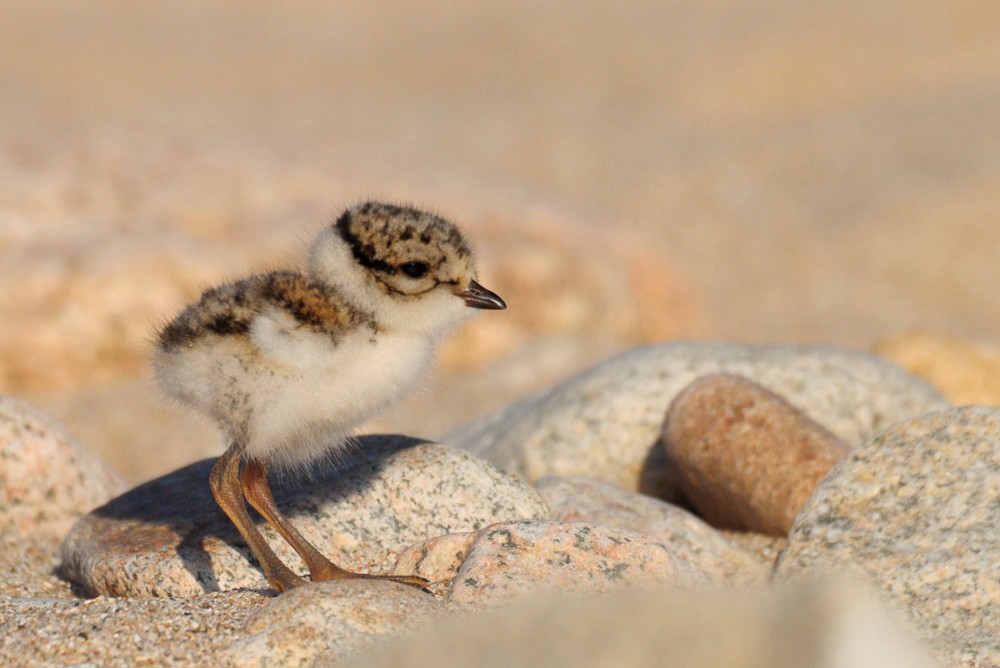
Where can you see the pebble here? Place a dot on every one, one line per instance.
(829, 623)
(710, 557)
(47, 478)
(605, 422)
(328, 621)
(169, 538)
(745, 458)
(512, 559)
(916, 511)
(436, 559)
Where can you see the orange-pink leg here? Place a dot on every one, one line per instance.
(225, 483)
(258, 493)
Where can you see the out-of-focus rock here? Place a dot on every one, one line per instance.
(565, 278)
(169, 538)
(47, 478)
(965, 373)
(915, 511)
(827, 624)
(744, 457)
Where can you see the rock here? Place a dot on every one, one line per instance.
(123, 632)
(168, 537)
(604, 422)
(965, 373)
(435, 559)
(47, 478)
(709, 557)
(511, 559)
(828, 624)
(744, 457)
(917, 512)
(329, 621)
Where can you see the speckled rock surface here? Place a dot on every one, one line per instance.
(830, 624)
(122, 633)
(168, 538)
(325, 622)
(710, 556)
(917, 512)
(604, 422)
(744, 457)
(436, 559)
(47, 479)
(512, 559)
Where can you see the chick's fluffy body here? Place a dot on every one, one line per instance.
(289, 363)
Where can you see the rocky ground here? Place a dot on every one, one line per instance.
(750, 479)
(759, 172)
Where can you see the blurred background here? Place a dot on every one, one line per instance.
(762, 171)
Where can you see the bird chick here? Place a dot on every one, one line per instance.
(287, 363)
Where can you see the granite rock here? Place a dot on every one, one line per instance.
(827, 624)
(118, 632)
(47, 478)
(512, 559)
(436, 559)
(916, 511)
(168, 537)
(743, 456)
(710, 558)
(325, 622)
(605, 422)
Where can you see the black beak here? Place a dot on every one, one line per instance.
(477, 296)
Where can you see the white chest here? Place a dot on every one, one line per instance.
(320, 390)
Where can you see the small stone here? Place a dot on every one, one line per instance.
(744, 457)
(830, 624)
(327, 621)
(708, 557)
(169, 538)
(605, 422)
(511, 559)
(435, 559)
(47, 478)
(916, 511)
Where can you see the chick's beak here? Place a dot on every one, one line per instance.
(477, 296)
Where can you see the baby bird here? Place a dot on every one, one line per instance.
(288, 363)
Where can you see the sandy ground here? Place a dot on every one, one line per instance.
(814, 172)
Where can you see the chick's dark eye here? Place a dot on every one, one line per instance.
(413, 269)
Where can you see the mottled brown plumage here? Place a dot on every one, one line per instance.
(229, 309)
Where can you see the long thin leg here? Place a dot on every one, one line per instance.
(258, 493)
(225, 483)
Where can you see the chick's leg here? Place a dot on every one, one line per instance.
(258, 493)
(225, 483)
